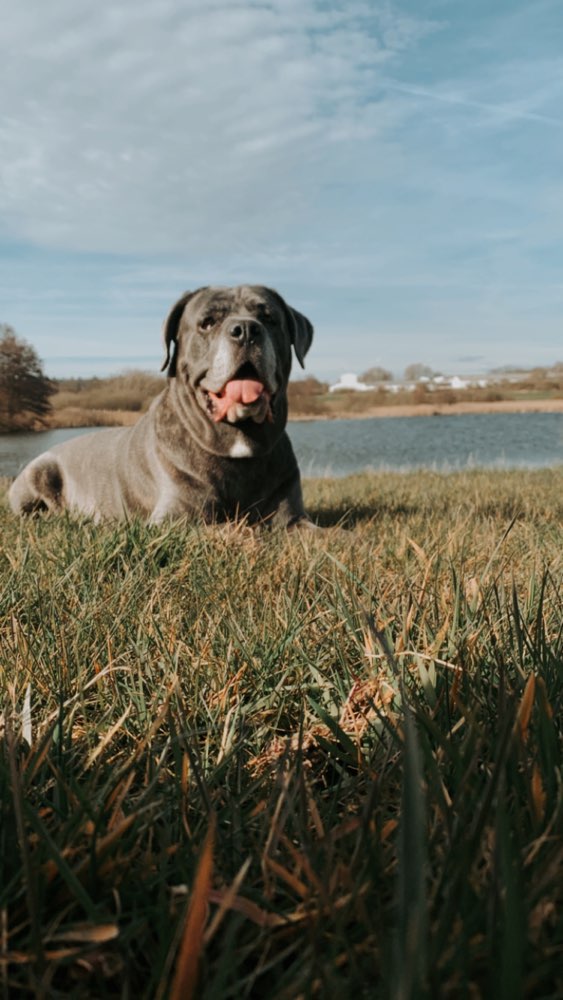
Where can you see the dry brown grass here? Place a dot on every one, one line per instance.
(75, 416)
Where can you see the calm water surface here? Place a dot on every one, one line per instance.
(483, 440)
(339, 447)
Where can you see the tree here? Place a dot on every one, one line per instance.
(25, 390)
(417, 371)
(376, 374)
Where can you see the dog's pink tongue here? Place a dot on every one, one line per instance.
(238, 390)
(243, 390)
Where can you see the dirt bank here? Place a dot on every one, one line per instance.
(443, 409)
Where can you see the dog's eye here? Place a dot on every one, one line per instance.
(207, 322)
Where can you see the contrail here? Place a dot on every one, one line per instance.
(504, 109)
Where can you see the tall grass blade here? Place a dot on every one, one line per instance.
(412, 918)
(184, 983)
(27, 732)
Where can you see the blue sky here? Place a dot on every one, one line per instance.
(395, 170)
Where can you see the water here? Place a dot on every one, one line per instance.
(445, 443)
(16, 450)
(339, 447)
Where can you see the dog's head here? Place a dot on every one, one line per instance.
(231, 350)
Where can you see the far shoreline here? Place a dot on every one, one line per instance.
(75, 418)
(442, 409)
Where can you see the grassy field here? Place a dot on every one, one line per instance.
(317, 765)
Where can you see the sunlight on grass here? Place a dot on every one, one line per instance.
(368, 718)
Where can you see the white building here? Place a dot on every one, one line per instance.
(350, 381)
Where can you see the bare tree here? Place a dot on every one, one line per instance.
(417, 371)
(25, 390)
(376, 374)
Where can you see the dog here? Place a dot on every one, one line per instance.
(212, 445)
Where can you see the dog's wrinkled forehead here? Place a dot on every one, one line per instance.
(222, 301)
(207, 310)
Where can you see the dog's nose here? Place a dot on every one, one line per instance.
(245, 331)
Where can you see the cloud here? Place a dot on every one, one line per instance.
(142, 127)
(396, 175)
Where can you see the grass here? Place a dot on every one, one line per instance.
(242, 764)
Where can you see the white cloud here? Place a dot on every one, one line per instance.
(136, 126)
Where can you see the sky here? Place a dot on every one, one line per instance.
(393, 169)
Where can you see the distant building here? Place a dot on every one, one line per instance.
(350, 381)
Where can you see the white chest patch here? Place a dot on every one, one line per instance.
(240, 449)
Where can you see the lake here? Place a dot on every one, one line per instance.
(340, 447)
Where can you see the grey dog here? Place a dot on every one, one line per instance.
(213, 443)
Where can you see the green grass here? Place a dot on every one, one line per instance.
(356, 735)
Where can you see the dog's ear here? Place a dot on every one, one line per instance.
(300, 329)
(170, 331)
(301, 334)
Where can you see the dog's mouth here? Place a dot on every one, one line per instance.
(242, 397)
